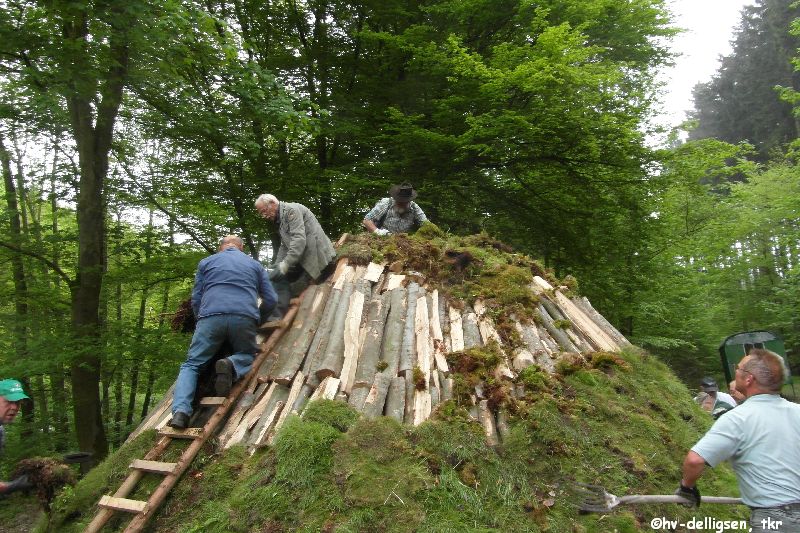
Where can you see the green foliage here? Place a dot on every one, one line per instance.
(338, 415)
(303, 452)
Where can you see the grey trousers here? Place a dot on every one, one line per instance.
(782, 519)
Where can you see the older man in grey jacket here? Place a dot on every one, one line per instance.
(305, 253)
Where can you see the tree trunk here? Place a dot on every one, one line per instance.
(19, 342)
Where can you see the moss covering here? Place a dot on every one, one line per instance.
(626, 430)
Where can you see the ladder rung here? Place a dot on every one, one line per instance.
(189, 433)
(122, 504)
(157, 467)
(212, 400)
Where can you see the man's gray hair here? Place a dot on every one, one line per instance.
(266, 199)
(768, 369)
(231, 239)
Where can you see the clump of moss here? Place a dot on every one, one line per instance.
(571, 283)
(419, 379)
(534, 379)
(382, 365)
(429, 230)
(569, 363)
(46, 475)
(505, 284)
(357, 253)
(562, 324)
(473, 367)
(607, 360)
(338, 415)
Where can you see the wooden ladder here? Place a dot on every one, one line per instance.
(144, 510)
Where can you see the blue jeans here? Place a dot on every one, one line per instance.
(209, 334)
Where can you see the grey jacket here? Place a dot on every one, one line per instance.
(303, 241)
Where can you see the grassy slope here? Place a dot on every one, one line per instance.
(624, 428)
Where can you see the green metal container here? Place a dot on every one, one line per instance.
(736, 346)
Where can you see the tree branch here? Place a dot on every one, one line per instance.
(63, 275)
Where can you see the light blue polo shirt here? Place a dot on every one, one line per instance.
(761, 439)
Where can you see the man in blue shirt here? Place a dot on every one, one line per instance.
(761, 439)
(225, 302)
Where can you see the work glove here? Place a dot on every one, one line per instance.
(381, 231)
(691, 494)
(283, 268)
(20, 483)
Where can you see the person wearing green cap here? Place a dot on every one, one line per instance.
(11, 395)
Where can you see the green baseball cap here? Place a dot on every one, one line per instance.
(11, 390)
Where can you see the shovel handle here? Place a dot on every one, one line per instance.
(671, 498)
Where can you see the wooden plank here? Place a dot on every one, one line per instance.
(423, 336)
(268, 426)
(392, 342)
(122, 504)
(212, 400)
(293, 393)
(346, 276)
(408, 347)
(422, 406)
(471, 333)
(586, 325)
(376, 398)
(456, 331)
(542, 283)
(370, 350)
(396, 399)
(327, 389)
(352, 333)
(374, 271)
(486, 418)
(250, 418)
(156, 467)
(188, 433)
(280, 396)
(395, 281)
(332, 358)
(585, 305)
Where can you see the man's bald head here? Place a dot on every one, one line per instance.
(231, 240)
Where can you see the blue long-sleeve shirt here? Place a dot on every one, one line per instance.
(229, 282)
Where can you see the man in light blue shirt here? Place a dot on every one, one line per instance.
(761, 439)
(225, 302)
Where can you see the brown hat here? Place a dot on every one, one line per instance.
(403, 193)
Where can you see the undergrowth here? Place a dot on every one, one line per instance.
(620, 421)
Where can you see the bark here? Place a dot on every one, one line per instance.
(408, 347)
(352, 336)
(357, 397)
(290, 352)
(333, 356)
(556, 333)
(321, 337)
(471, 333)
(20, 328)
(396, 399)
(376, 398)
(486, 418)
(93, 143)
(371, 346)
(456, 330)
(424, 340)
(393, 332)
(586, 306)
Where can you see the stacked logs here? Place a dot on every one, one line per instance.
(378, 340)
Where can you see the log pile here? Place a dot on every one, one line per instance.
(380, 340)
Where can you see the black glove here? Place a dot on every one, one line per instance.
(691, 494)
(20, 483)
